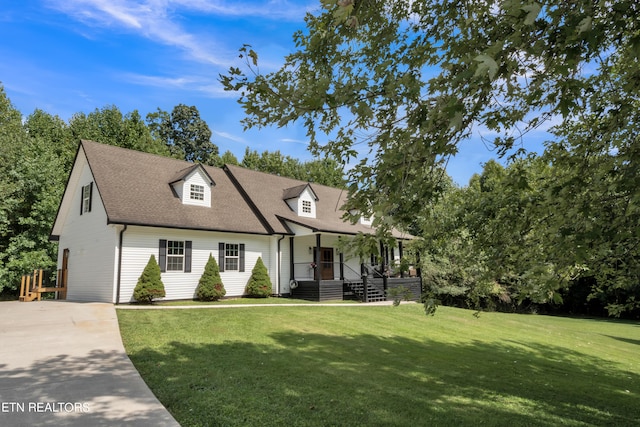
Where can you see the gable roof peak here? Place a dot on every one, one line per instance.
(182, 174)
(295, 192)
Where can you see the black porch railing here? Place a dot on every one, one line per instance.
(368, 285)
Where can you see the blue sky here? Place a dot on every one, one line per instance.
(69, 56)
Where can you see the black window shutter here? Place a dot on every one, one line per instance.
(221, 256)
(241, 261)
(162, 255)
(187, 256)
(81, 200)
(90, 195)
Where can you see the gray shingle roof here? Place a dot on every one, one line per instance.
(294, 192)
(184, 173)
(266, 192)
(135, 190)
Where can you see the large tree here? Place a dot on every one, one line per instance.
(185, 133)
(399, 84)
(411, 79)
(109, 126)
(325, 171)
(32, 177)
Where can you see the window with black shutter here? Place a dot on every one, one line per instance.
(85, 198)
(175, 255)
(231, 256)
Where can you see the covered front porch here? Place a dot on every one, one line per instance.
(322, 273)
(365, 290)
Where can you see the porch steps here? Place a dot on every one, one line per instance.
(356, 290)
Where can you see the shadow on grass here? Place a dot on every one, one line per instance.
(303, 379)
(627, 340)
(96, 389)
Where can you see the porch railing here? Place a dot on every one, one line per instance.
(304, 271)
(307, 271)
(367, 285)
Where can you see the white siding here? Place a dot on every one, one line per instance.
(303, 256)
(285, 266)
(140, 243)
(91, 242)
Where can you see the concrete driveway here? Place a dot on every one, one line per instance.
(63, 364)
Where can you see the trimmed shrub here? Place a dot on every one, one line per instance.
(259, 285)
(210, 287)
(149, 284)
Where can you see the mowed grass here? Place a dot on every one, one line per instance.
(245, 301)
(385, 366)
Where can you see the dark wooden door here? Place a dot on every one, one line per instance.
(326, 263)
(65, 266)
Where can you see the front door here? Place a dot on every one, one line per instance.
(64, 273)
(326, 263)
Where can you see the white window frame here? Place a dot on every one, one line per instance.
(196, 192)
(229, 250)
(175, 255)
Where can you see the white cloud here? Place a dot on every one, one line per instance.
(166, 23)
(204, 85)
(273, 10)
(158, 81)
(229, 136)
(159, 20)
(215, 90)
(295, 141)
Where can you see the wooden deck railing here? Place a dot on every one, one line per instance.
(31, 286)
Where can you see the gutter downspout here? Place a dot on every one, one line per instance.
(279, 266)
(120, 264)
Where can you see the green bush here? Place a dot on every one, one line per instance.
(149, 284)
(259, 285)
(398, 294)
(210, 287)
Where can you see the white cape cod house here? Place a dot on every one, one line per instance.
(122, 206)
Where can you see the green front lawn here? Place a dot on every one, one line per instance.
(249, 301)
(385, 366)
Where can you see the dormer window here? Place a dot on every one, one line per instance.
(193, 186)
(362, 219)
(197, 192)
(366, 220)
(302, 200)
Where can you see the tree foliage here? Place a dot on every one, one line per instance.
(325, 171)
(31, 184)
(410, 80)
(395, 86)
(184, 133)
(210, 287)
(42, 125)
(109, 126)
(518, 238)
(149, 286)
